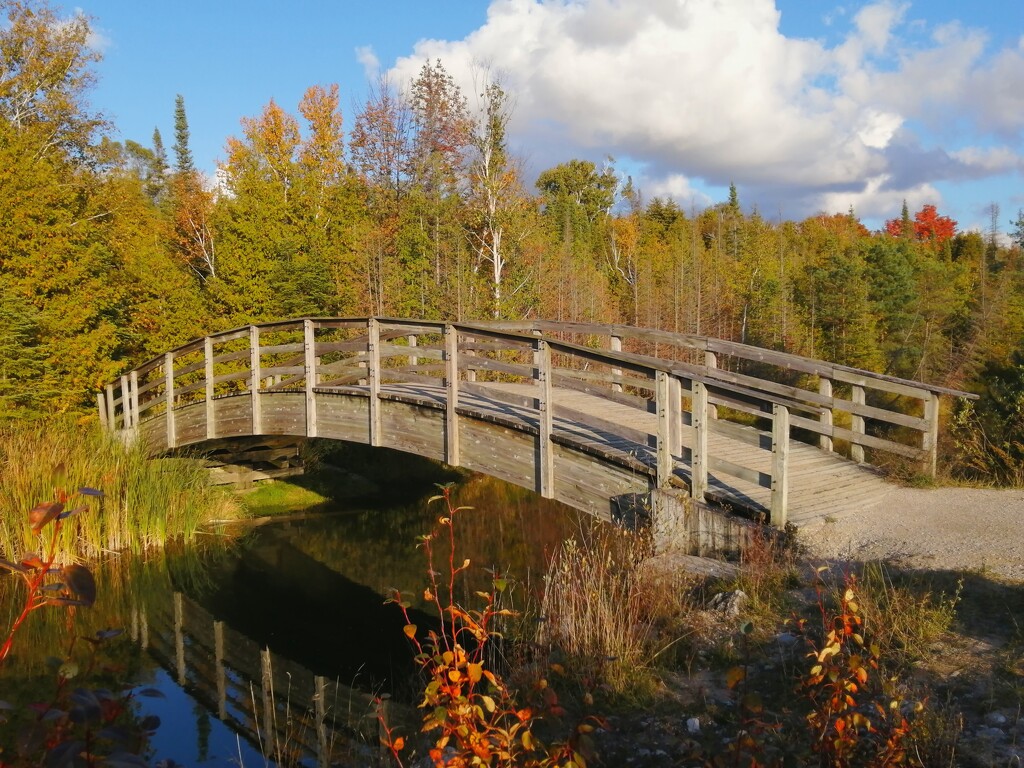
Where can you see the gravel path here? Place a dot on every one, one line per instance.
(934, 529)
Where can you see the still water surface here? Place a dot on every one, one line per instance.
(310, 588)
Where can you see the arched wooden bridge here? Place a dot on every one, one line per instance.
(586, 414)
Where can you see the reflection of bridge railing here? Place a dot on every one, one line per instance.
(270, 700)
(713, 415)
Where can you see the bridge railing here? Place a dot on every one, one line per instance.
(674, 397)
(858, 408)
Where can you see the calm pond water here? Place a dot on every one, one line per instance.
(245, 633)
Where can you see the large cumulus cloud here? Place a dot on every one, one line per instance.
(713, 92)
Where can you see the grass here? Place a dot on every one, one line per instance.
(611, 618)
(146, 502)
(277, 497)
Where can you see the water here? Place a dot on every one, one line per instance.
(312, 590)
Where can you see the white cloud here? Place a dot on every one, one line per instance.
(366, 56)
(679, 188)
(713, 91)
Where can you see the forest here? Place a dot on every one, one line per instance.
(114, 251)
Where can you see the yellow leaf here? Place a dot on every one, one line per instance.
(410, 630)
(734, 676)
(490, 706)
(475, 672)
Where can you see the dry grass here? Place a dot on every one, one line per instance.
(608, 616)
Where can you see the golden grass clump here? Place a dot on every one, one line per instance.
(146, 502)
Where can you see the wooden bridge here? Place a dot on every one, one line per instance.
(591, 415)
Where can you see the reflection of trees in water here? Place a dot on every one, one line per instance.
(508, 529)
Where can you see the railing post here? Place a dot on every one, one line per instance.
(208, 374)
(373, 372)
(825, 389)
(857, 423)
(663, 468)
(780, 464)
(711, 363)
(172, 433)
(545, 420)
(309, 362)
(255, 379)
(675, 413)
(413, 359)
(930, 438)
(101, 406)
(615, 345)
(111, 415)
(699, 453)
(133, 400)
(451, 381)
(126, 403)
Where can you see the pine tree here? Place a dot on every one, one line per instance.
(182, 152)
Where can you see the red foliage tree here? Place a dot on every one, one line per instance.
(927, 227)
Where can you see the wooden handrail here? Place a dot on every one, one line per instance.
(295, 359)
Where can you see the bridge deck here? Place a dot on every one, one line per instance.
(575, 416)
(821, 484)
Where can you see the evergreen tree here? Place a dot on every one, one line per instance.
(182, 151)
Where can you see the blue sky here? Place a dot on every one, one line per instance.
(805, 105)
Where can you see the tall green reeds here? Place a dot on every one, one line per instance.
(146, 502)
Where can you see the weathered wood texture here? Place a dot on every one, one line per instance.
(545, 406)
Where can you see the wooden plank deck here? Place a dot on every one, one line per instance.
(821, 484)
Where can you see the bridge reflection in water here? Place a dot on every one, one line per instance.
(591, 415)
(288, 711)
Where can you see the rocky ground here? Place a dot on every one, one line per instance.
(974, 675)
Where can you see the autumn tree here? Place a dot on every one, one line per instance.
(432, 238)
(928, 227)
(191, 204)
(57, 260)
(496, 197)
(286, 219)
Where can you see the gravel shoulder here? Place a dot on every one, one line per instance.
(957, 529)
